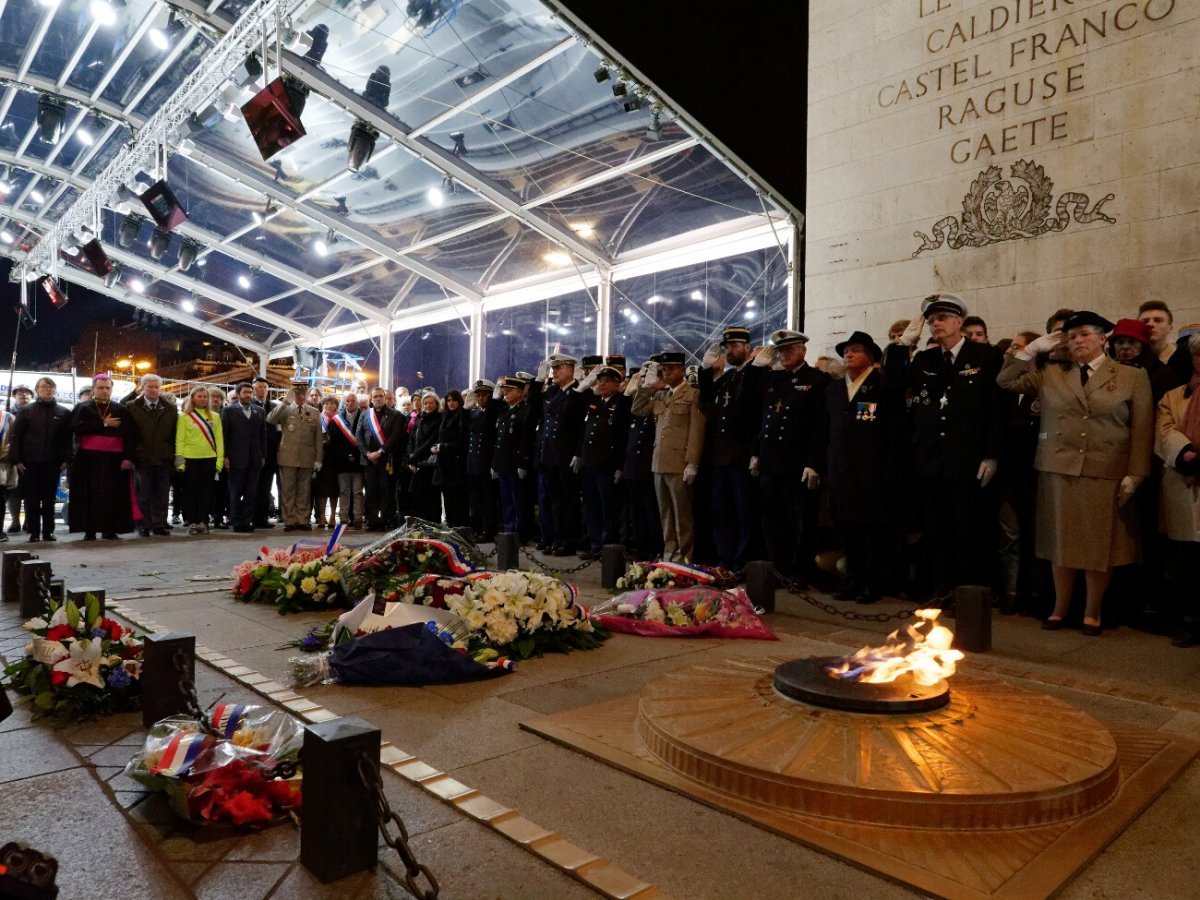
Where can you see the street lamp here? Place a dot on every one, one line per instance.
(142, 365)
(124, 363)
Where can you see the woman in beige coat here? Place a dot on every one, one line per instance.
(1177, 446)
(1093, 451)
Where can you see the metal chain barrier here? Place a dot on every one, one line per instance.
(554, 570)
(850, 614)
(42, 580)
(191, 699)
(413, 870)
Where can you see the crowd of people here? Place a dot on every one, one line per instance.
(1038, 467)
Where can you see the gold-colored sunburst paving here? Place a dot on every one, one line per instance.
(1003, 792)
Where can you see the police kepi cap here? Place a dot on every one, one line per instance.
(865, 341)
(786, 338)
(944, 303)
(616, 360)
(482, 384)
(736, 333)
(669, 358)
(610, 372)
(592, 359)
(561, 359)
(1086, 317)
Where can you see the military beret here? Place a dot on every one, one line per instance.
(736, 333)
(786, 338)
(482, 384)
(609, 372)
(1085, 318)
(944, 303)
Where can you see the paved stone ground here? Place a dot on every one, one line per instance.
(62, 790)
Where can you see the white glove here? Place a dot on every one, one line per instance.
(754, 466)
(435, 448)
(589, 380)
(912, 333)
(711, 355)
(689, 473)
(496, 393)
(316, 467)
(634, 383)
(543, 370)
(765, 356)
(617, 476)
(180, 463)
(1044, 344)
(495, 475)
(521, 473)
(576, 464)
(650, 379)
(1129, 485)
(987, 471)
(811, 479)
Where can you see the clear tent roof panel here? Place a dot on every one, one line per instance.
(303, 308)
(22, 113)
(213, 202)
(472, 254)
(377, 285)
(105, 155)
(65, 34)
(289, 239)
(59, 206)
(548, 129)
(78, 147)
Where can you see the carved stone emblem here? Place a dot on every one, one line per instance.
(999, 209)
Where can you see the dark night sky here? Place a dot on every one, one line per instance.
(740, 71)
(56, 329)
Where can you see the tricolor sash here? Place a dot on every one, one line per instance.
(181, 753)
(206, 429)
(226, 717)
(324, 423)
(344, 428)
(334, 538)
(373, 424)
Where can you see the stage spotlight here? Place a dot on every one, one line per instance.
(619, 89)
(460, 143)
(130, 226)
(37, 196)
(633, 104)
(601, 74)
(51, 114)
(251, 71)
(379, 87)
(654, 131)
(320, 43)
(361, 145)
(105, 11)
(159, 242)
(187, 254)
(161, 37)
(188, 306)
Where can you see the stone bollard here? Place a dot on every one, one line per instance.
(9, 592)
(973, 618)
(339, 831)
(612, 564)
(58, 590)
(32, 576)
(508, 550)
(164, 690)
(78, 596)
(760, 584)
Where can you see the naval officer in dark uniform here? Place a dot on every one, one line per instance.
(483, 499)
(955, 432)
(512, 459)
(601, 459)
(559, 422)
(790, 452)
(732, 403)
(644, 530)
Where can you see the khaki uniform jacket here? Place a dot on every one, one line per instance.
(679, 426)
(1179, 514)
(1102, 430)
(302, 445)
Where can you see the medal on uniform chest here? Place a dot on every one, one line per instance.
(944, 402)
(291, 426)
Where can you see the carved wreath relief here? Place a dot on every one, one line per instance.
(999, 209)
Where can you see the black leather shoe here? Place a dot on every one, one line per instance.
(1090, 630)
(588, 554)
(162, 531)
(1052, 624)
(90, 536)
(49, 537)
(866, 597)
(111, 536)
(144, 532)
(34, 539)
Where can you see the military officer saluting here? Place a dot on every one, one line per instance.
(955, 430)
(790, 451)
(300, 453)
(601, 458)
(731, 398)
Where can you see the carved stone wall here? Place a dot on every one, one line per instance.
(1025, 154)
